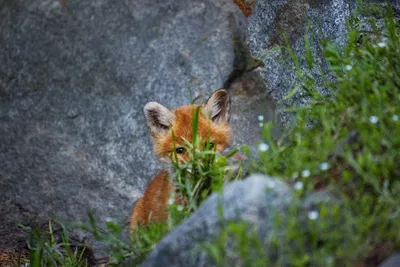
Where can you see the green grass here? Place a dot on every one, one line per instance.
(47, 248)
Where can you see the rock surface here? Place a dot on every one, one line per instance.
(268, 24)
(272, 20)
(392, 261)
(255, 200)
(74, 76)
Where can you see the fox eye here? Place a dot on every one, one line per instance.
(210, 145)
(180, 150)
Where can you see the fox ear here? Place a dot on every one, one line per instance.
(159, 118)
(218, 106)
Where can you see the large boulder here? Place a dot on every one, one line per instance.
(256, 200)
(74, 77)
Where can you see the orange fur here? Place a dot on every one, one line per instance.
(152, 207)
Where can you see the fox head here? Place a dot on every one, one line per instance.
(170, 128)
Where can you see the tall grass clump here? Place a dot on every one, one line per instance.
(205, 171)
(53, 248)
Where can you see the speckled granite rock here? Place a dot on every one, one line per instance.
(271, 20)
(74, 77)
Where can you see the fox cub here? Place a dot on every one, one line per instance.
(164, 124)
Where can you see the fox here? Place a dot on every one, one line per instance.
(169, 130)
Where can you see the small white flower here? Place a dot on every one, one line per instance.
(180, 208)
(298, 185)
(381, 44)
(108, 219)
(260, 117)
(373, 119)
(171, 201)
(313, 215)
(261, 124)
(395, 117)
(305, 173)
(348, 67)
(324, 166)
(263, 147)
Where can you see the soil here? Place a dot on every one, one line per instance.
(14, 250)
(13, 245)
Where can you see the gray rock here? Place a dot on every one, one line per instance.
(74, 77)
(272, 20)
(250, 99)
(392, 261)
(266, 28)
(255, 200)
